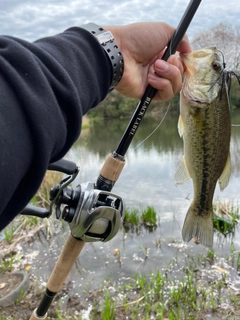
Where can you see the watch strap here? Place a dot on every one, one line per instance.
(106, 39)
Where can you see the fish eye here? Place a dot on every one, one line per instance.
(216, 66)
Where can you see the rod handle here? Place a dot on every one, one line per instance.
(110, 172)
(66, 260)
(35, 317)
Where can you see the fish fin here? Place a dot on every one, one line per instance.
(225, 176)
(198, 226)
(180, 126)
(181, 175)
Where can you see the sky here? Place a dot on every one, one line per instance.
(31, 19)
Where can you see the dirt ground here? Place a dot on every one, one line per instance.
(23, 310)
(74, 307)
(66, 306)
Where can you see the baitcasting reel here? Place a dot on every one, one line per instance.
(92, 214)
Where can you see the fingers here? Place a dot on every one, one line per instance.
(150, 39)
(142, 46)
(184, 46)
(167, 78)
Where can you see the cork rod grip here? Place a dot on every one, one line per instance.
(112, 168)
(66, 260)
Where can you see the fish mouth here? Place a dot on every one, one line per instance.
(193, 100)
(198, 103)
(193, 97)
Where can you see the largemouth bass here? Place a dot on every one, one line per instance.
(205, 126)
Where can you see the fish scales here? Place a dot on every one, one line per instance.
(205, 127)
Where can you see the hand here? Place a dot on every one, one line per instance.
(142, 46)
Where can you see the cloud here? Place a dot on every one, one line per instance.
(32, 20)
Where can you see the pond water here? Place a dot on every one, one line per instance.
(146, 180)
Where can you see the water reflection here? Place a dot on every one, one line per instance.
(104, 136)
(146, 180)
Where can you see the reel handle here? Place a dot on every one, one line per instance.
(65, 166)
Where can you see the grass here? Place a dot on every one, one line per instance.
(135, 219)
(41, 198)
(149, 217)
(226, 217)
(22, 225)
(21, 295)
(9, 233)
(238, 261)
(200, 288)
(4, 318)
(161, 295)
(132, 218)
(6, 263)
(86, 126)
(22, 228)
(189, 287)
(108, 310)
(192, 293)
(59, 316)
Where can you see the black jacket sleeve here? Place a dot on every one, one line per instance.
(45, 88)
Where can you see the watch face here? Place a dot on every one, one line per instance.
(105, 37)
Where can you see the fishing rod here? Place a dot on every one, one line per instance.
(92, 211)
(115, 162)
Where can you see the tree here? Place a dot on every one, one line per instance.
(226, 38)
(116, 105)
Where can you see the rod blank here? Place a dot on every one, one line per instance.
(150, 91)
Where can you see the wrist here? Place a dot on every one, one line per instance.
(106, 40)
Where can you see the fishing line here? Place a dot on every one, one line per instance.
(155, 128)
(225, 80)
(228, 79)
(223, 58)
(170, 48)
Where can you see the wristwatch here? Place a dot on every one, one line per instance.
(106, 39)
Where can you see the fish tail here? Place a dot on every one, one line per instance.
(198, 226)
